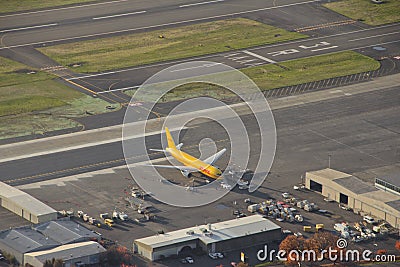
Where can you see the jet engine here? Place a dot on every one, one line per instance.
(186, 174)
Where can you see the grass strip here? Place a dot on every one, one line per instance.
(166, 44)
(288, 73)
(22, 5)
(368, 12)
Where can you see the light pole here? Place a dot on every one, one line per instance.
(329, 161)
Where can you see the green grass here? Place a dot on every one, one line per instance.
(181, 42)
(27, 104)
(28, 124)
(32, 103)
(12, 72)
(310, 69)
(21, 92)
(21, 5)
(368, 12)
(289, 73)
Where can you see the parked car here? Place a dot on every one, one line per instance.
(369, 219)
(241, 215)
(219, 255)
(212, 256)
(189, 260)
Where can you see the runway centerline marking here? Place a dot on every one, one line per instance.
(259, 56)
(120, 15)
(29, 27)
(369, 37)
(61, 8)
(201, 3)
(159, 25)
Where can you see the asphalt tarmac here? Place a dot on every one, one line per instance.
(360, 128)
(360, 132)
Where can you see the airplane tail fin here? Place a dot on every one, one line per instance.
(171, 143)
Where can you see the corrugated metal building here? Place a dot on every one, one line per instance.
(46, 236)
(66, 232)
(357, 194)
(221, 237)
(25, 205)
(22, 240)
(78, 254)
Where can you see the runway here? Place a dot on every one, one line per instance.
(359, 131)
(60, 25)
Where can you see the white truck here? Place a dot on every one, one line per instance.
(343, 229)
(120, 216)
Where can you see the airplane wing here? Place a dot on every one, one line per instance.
(211, 160)
(181, 168)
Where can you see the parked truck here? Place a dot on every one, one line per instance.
(120, 216)
(107, 220)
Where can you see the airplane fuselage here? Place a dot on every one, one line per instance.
(190, 161)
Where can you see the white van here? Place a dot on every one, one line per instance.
(369, 219)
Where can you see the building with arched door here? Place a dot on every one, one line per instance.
(217, 237)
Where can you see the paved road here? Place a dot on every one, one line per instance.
(366, 125)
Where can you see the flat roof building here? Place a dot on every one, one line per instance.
(50, 235)
(25, 205)
(78, 254)
(222, 236)
(389, 182)
(22, 240)
(362, 197)
(66, 231)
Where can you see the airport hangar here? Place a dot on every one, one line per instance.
(63, 239)
(217, 237)
(25, 205)
(362, 197)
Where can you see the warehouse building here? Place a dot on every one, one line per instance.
(389, 182)
(218, 237)
(362, 197)
(23, 240)
(25, 205)
(79, 254)
(47, 239)
(66, 232)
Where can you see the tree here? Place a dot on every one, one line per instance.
(397, 246)
(292, 244)
(58, 263)
(381, 251)
(48, 263)
(117, 255)
(300, 249)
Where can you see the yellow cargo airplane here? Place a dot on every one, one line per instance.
(191, 164)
